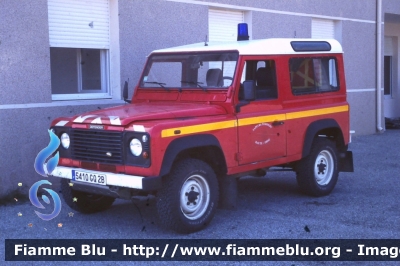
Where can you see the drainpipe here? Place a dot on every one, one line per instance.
(379, 65)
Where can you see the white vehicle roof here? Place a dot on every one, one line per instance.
(255, 47)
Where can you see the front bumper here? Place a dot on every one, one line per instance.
(113, 179)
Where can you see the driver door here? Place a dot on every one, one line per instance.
(261, 122)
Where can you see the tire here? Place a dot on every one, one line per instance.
(85, 203)
(189, 197)
(317, 174)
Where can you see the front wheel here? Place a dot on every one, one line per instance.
(188, 199)
(317, 173)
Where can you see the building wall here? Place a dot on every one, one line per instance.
(24, 78)
(360, 64)
(280, 26)
(24, 53)
(337, 8)
(26, 108)
(391, 6)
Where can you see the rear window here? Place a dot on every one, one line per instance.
(310, 75)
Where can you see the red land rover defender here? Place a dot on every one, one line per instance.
(203, 115)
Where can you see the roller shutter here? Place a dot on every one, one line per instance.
(79, 24)
(322, 29)
(223, 24)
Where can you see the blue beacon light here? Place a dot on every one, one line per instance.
(243, 32)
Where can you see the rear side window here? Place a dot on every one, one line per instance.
(310, 75)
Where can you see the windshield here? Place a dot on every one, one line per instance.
(190, 71)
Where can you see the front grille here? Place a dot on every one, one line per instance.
(93, 146)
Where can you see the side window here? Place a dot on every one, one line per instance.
(263, 73)
(313, 75)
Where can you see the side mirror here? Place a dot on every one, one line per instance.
(125, 92)
(249, 89)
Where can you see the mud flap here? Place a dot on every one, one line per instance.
(228, 193)
(346, 162)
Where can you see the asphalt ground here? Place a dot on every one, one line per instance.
(364, 205)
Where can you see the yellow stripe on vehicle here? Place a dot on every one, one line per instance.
(316, 112)
(261, 119)
(250, 121)
(197, 128)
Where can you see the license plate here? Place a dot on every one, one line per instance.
(89, 177)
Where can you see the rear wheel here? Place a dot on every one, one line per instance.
(188, 199)
(82, 201)
(317, 173)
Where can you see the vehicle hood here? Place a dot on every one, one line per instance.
(126, 114)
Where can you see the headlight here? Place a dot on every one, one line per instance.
(136, 147)
(65, 141)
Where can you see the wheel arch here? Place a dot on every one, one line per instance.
(204, 147)
(326, 127)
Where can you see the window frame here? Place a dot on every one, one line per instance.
(154, 58)
(254, 64)
(82, 94)
(388, 72)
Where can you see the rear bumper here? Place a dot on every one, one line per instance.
(113, 179)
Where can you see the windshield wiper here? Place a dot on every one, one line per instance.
(196, 83)
(158, 83)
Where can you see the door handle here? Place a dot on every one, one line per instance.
(278, 123)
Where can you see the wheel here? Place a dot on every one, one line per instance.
(226, 77)
(189, 196)
(85, 202)
(317, 173)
